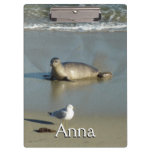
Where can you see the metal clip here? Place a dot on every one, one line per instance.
(75, 14)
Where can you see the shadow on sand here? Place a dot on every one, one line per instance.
(40, 121)
(38, 75)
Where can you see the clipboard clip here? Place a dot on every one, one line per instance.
(75, 14)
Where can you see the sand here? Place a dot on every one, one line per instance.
(109, 131)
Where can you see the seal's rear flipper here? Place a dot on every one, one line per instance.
(100, 75)
(104, 75)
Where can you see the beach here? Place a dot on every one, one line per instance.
(98, 105)
(109, 131)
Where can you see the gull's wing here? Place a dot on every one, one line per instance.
(59, 114)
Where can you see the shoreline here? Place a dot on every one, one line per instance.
(97, 31)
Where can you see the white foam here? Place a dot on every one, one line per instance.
(110, 26)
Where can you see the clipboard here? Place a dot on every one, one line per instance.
(75, 75)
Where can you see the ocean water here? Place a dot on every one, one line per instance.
(114, 18)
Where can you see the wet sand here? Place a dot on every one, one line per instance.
(109, 131)
(99, 105)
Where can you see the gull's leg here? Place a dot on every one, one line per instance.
(63, 122)
(67, 124)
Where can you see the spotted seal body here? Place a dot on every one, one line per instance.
(74, 71)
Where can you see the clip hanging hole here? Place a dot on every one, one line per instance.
(75, 12)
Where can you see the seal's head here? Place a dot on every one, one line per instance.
(54, 62)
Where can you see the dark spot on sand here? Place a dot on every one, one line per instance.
(43, 130)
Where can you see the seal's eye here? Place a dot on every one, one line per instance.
(55, 61)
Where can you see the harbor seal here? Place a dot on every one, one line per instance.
(74, 71)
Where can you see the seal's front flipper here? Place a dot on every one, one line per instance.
(66, 79)
(47, 77)
(52, 78)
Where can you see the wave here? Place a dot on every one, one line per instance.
(79, 27)
(114, 18)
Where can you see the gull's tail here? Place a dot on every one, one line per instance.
(50, 113)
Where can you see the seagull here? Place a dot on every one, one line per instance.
(65, 113)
